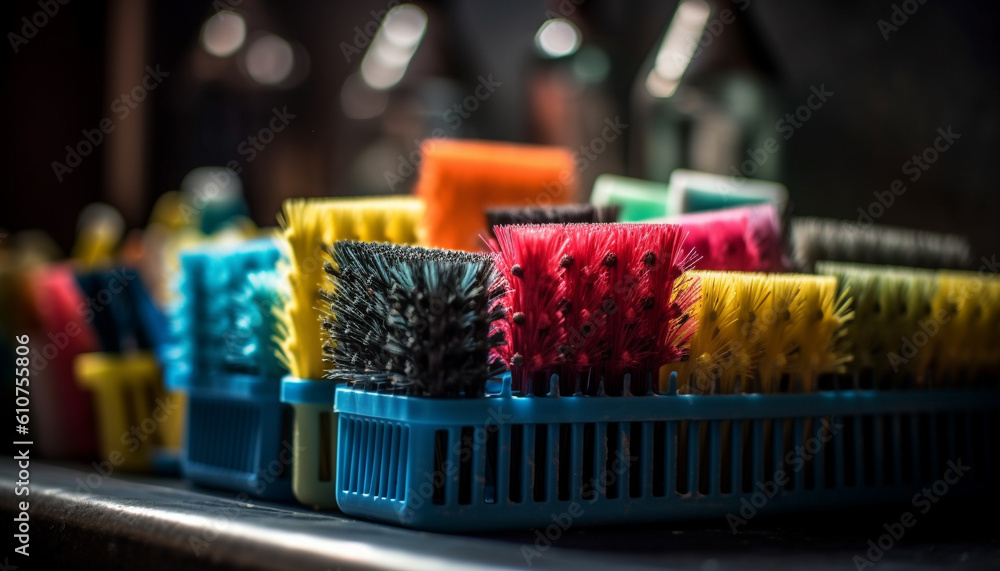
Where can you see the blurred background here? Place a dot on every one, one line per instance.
(119, 100)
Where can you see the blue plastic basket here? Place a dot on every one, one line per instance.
(520, 461)
(238, 437)
(238, 433)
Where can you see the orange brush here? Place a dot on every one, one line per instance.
(460, 179)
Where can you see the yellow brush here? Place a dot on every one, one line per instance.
(967, 308)
(757, 329)
(308, 224)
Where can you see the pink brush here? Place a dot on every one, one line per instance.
(737, 239)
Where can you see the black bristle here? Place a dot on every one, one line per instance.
(414, 321)
(559, 214)
(818, 239)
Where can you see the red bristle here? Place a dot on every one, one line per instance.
(606, 295)
(585, 287)
(632, 333)
(528, 258)
(671, 332)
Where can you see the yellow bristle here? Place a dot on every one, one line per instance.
(891, 306)
(310, 223)
(780, 345)
(967, 308)
(987, 329)
(710, 341)
(820, 331)
(746, 331)
(920, 289)
(753, 329)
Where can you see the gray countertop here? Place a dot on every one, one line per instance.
(161, 523)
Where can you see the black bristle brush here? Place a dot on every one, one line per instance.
(416, 321)
(558, 214)
(819, 239)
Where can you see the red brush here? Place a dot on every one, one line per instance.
(593, 302)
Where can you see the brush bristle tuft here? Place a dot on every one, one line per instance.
(417, 320)
(818, 239)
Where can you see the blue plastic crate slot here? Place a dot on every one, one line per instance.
(240, 440)
(450, 465)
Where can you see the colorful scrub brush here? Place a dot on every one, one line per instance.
(415, 320)
(308, 224)
(460, 179)
(65, 416)
(636, 198)
(224, 317)
(738, 239)
(592, 303)
(688, 191)
(764, 333)
(226, 362)
(693, 191)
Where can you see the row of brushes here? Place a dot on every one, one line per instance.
(591, 303)
(412, 320)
